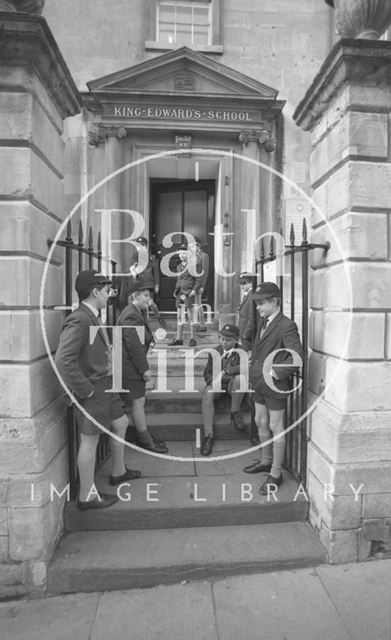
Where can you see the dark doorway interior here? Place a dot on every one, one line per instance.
(178, 206)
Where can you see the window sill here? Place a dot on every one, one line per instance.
(158, 46)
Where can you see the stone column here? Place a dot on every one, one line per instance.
(37, 93)
(347, 109)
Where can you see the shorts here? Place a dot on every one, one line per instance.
(188, 302)
(275, 404)
(135, 388)
(103, 407)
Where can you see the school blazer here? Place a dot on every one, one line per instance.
(281, 333)
(232, 366)
(134, 353)
(80, 363)
(246, 321)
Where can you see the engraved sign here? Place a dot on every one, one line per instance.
(183, 142)
(186, 113)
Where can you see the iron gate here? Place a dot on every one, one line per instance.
(87, 258)
(296, 438)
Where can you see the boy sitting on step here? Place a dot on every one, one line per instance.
(230, 383)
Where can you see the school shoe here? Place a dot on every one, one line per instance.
(258, 467)
(192, 342)
(175, 343)
(106, 500)
(157, 446)
(237, 421)
(207, 445)
(270, 482)
(130, 474)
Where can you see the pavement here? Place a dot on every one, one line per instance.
(345, 602)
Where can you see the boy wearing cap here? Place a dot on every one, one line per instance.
(202, 268)
(135, 366)
(229, 378)
(83, 360)
(276, 333)
(246, 311)
(184, 293)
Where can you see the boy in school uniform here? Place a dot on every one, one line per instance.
(230, 383)
(184, 293)
(246, 311)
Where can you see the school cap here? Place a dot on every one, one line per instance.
(266, 290)
(230, 330)
(88, 279)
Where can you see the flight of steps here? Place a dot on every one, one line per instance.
(209, 519)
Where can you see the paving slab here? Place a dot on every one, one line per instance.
(111, 560)
(163, 613)
(228, 465)
(153, 466)
(60, 618)
(291, 605)
(362, 595)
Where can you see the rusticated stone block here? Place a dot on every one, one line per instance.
(3, 521)
(379, 530)
(27, 445)
(4, 548)
(337, 512)
(377, 505)
(26, 176)
(34, 490)
(22, 118)
(350, 437)
(358, 386)
(345, 479)
(11, 575)
(364, 547)
(341, 334)
(342, 546)
(34, 531)
(21, 335)
(27, 388)
(28, 273)
(363, 283)
(352, 235)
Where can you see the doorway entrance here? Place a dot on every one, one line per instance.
(182, 206)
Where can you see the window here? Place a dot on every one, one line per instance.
(175, 23)
(184, 22)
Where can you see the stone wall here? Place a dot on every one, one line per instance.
(278, 42)
(37, 94)
(347, 109)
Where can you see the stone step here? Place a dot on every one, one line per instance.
(182, 426)
(115, 560)
(185, 501)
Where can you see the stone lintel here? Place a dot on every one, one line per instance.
(359, 62)
(26, 40)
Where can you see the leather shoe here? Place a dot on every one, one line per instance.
(106, 500)
(270, 482)
(175, 343)
(157, 446)
(237, 421)
(130, 474)
(257, 467)
(207, 445)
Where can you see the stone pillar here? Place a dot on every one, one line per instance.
(36, 94)
(347, 109)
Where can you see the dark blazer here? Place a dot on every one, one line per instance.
(247, 321)
(80, 363)
(185, 281)
(202, 266)
(134, 352)
(281, 333)
(149, 278)
(230, 365)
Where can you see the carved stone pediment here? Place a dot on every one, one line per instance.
(182, 71)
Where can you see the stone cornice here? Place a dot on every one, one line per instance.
(364, 63)
(26, 40)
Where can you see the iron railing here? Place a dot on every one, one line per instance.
(87, 258)
(297, 405)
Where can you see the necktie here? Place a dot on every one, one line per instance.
(265, 325)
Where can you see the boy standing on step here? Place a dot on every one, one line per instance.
(271, 384)
(184, 293)
(83, 359)
(228, 376)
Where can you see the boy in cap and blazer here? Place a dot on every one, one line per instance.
(276, 333)
(184, 294)
(84, 363)
(230, 383)
(246, 311)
